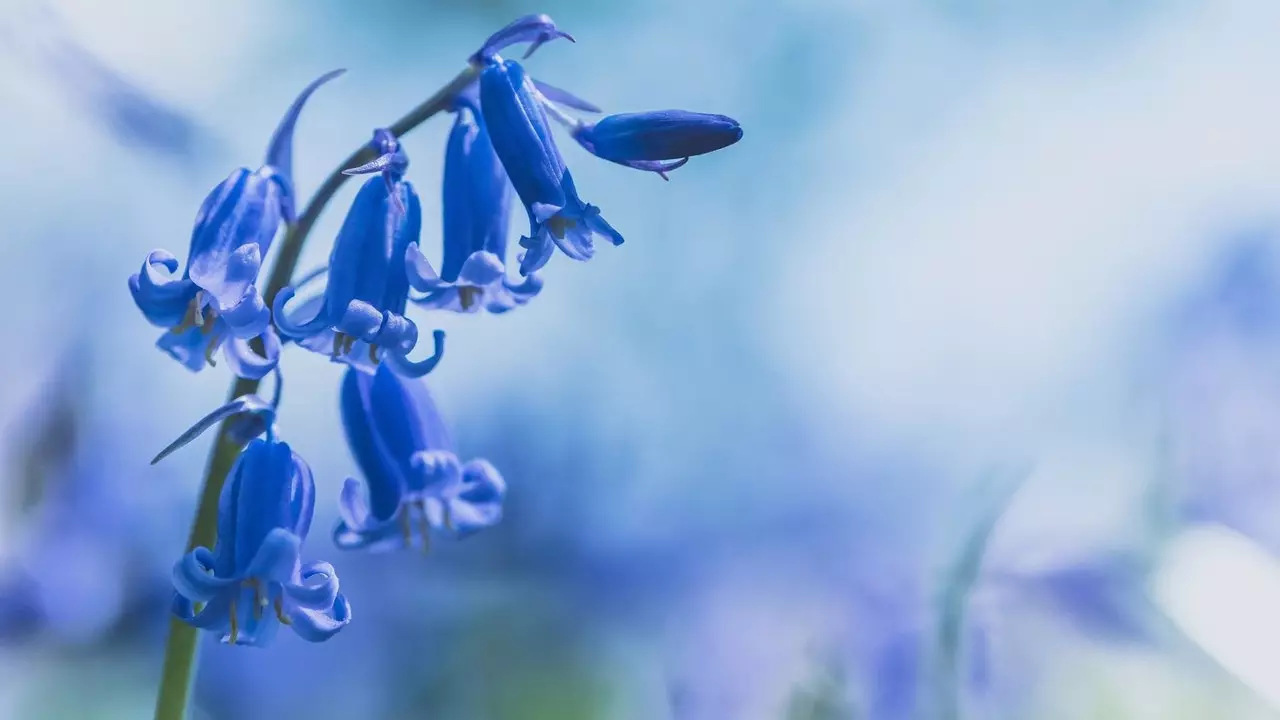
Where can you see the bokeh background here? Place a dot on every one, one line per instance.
(913, 404)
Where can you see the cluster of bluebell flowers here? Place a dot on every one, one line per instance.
(414, 485)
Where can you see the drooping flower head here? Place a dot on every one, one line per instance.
(413, 480)
(477, 214)
(217, 301)
(360, 318)
(253, 580)
(522, 138)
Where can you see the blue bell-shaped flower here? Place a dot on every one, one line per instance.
(360, 319)
(518, 128)
(413, 479)
(477, 217)
(217, 301)
(253, 580)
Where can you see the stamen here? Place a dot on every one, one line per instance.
(373, 354)
(467, 295)
(197, 308)
(259, 602)
(406, 530)
(284, 619)
(235, 631)
(559, 224)
(424, 526)
(448, 517)
(211, 348)
(337, 344)
(188, 320)
(347, 342)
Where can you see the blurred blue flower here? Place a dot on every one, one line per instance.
(360, 319)
(134, 116)
(413, 479)
(477, 215)
(82, 569)
(216, 301)
(644, 140)
(254, 579)
(520, 134)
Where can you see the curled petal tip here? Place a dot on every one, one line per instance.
(534, 29)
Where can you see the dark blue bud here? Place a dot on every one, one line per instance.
(534, 29)
(644, 140)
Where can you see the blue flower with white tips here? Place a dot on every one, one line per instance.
(477, 214)
(216, 302)
(414, 482)
(253, 580)
(521, 136)
(360, 319)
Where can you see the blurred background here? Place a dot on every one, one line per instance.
(951, 391)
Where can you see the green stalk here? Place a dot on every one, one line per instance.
(180, 650)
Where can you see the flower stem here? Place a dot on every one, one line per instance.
(180, 650)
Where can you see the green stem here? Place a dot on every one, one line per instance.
(180, 650)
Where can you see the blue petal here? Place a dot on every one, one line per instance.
(420, 368)
(315, 626)
(657, 135)
(316, 587)
(289, 327)
(280, 149)
(359, 528)
(248, 317)
(246, 363)
(420, 274)
(434, 473)
(362, 422)
(477, 503)
(276, 558)
(276, 493)
(193, 577)
(236, 227)
(162, 301)
(215, 615)
(534, 29)
(518, 130)
(476, 195)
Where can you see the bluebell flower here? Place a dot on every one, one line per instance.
(657, 141)
(216, 302)
(477, 217)
(413, 479)
(253, 580)
(360, 320)
(518, 128)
